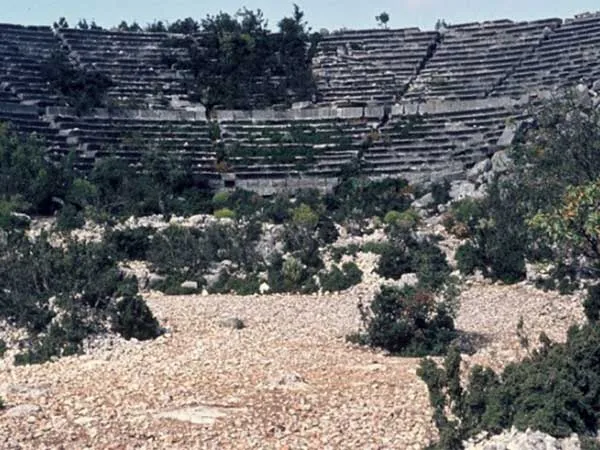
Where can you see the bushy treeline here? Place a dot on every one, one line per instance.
(238, 63)
(542, 208)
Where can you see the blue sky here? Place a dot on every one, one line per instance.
(330, 14)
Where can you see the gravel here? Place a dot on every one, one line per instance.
(287, 380)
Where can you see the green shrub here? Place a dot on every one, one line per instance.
(187, 254)
(358, 198)
(408, 321)
(133, 319)
(556, 390)
(80, 284)
(591, 304)
(468, 259)
(499, 242)
(3, 348)
(130, 243)
(69, 218)
(392, 217)
(395, 261)
(463, 217)
(339, 280)
(304, 216)
(224, 213)
(440, 191)
(407, 220)
(221, 198)
(227, 283)
(422, 256)
(327, 233)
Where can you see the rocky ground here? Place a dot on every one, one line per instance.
(288, 380)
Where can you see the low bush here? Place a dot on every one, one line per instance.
(304, 216)
(63, 295)
(591, 304)
(391, 217)
(69, 218)
(183, 254)
(409, 254)
(500, 241)
(408, 321)
(130, 243)
(440, 192)
(356, 198)
(341, 279)
(463, 217)
(227, 284)
(555, 390)
(132, 318)
(224, 213)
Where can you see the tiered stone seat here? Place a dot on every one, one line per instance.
(370, 65)
(570, 55)
(23, 50)
(443, 144)
(278, 148)
(129, 138)
(26, 121)
(473, 58)
(133, 60)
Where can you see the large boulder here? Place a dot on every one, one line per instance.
(478, 170)
(501, 162)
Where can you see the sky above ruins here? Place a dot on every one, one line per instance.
(330, 14)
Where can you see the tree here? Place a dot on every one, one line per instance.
(383, 19)
(185, 26)
(61, 24)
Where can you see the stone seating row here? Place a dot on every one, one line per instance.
(568, 56)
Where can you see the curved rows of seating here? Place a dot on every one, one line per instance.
(370, 65)
(472, 59)
(22, 53)
(570, 55)
(130, 138)
(445, 143)
(135, 61)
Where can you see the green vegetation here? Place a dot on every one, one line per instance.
(81, 88)
(407, 321)
(237, 63)
(63, 295)
(555, 390)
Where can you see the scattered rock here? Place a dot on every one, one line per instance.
(264, 288)
(501, 162)
(155, 279)
(462, 189)
(479, 169)
(24, 410)
(193, 285)
(409, 279)
(233, 323)
(199, 415)
(518, 440)
(423, 202)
